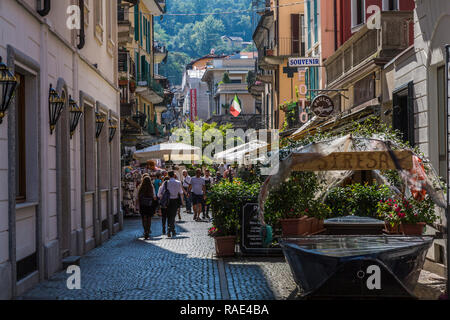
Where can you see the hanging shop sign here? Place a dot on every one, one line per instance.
(304, 62)
(356, 161)
(322, 106)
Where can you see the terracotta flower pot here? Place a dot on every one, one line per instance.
(225, 246)
(314, 225)
(412, 229)
(296, 226)
(321, 227)
(392, 229)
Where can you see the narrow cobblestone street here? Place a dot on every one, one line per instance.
(127, 267)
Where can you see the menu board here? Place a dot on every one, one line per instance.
(252, 239)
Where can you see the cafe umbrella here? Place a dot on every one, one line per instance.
(169, 152)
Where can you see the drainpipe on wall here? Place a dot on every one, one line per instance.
(447, 210)
(81, 35)
(47, 6)
(335, 25)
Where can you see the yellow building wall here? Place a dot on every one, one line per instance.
(286, 86)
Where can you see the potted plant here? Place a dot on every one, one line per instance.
(288, 206)
(319, 212)
(226, 200)
(132, 86)
(225, 245)
(407, 216)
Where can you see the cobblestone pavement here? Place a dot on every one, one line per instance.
(127, 267)
(184, 268)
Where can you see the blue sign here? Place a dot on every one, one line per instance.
(304, 62)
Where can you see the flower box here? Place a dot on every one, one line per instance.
(409, 229)
(225, 246)
(296, 226)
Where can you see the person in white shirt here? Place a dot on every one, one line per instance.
(198, 189)
(187, 195)
(176, 199)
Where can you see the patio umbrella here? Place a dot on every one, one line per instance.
(169, 151)
(237, 154)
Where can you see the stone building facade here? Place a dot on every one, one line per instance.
(415, 92)
(59, 193)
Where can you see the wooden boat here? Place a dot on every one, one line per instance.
(358, 267)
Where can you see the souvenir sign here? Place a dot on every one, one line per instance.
(304, 62)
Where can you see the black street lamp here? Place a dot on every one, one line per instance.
(100, 119)
(75, 115)
(112, 129)
(55, 107)
(8, 84)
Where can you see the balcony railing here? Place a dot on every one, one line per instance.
(144, 80)
(158, 48)
(369, 44)
(126, 63)
(289, 47)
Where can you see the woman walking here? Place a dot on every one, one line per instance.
(164, 219)
(147, 204)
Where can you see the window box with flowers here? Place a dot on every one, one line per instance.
(407, 216)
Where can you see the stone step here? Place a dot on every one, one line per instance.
(70, 261)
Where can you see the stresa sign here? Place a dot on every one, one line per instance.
(304, 62)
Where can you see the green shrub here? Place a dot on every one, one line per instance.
(293, 198)
(227, 200)
(357, 199)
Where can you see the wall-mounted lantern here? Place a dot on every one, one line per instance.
(112, 129)
(75, 115)
(8, 84)
(55, 107)
(100, 119)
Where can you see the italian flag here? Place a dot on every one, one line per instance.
(235, 108)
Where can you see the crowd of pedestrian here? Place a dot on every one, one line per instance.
(159, 192)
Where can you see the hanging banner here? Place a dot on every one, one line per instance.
(191, 113)
(195, 104)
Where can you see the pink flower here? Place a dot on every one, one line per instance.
(401, 215)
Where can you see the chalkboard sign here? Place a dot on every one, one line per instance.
(252, 240)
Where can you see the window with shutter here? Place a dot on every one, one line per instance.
(308, 11)
(295, 34)
(403, 113)
(316, 18)
(136, 23)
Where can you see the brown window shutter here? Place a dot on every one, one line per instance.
(295, 33)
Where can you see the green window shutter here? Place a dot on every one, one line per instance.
(143, 67)
(316, 30)
(140, 28)
(136, 23)
(148, 36)
(136, 59)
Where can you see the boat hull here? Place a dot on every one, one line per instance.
(349, 266)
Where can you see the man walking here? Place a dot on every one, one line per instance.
(187, 195)
(198, 189)
(176, 199)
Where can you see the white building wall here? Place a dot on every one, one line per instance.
(419, 65)
(37, 227)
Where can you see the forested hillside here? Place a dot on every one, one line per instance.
(190, 37)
